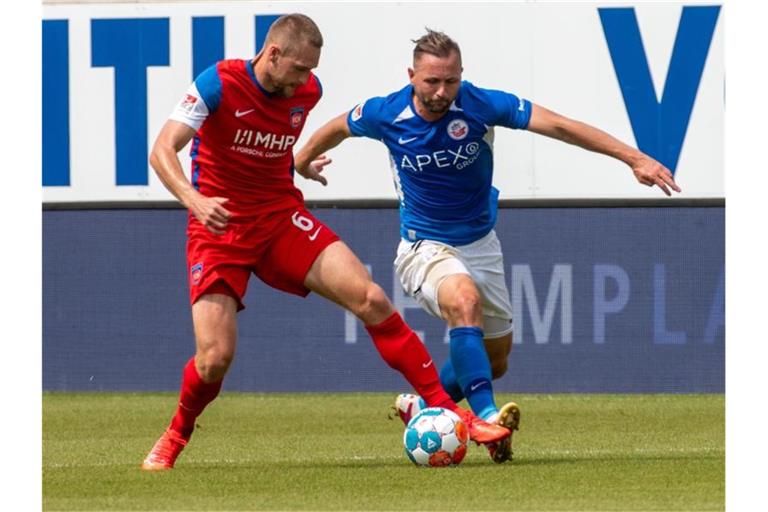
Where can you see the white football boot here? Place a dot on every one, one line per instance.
(407, 406)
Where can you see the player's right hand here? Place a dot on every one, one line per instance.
(211, 214)
(315, 167)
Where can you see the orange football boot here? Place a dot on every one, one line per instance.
(163, 454)
(482, 432)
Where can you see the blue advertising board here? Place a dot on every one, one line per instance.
(620, 299)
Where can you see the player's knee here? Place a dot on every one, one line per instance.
(464, 308)
(213, 364)
(469, 302)
(376, 300)
(374, 304)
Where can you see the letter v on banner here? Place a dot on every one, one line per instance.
(659, 127)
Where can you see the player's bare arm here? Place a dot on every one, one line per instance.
(310, 161)
(165, 161)
(647, 170)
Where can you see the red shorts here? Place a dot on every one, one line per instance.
(279, 248)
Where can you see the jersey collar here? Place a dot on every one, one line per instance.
(252, 74)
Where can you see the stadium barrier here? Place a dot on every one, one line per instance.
(606, 299)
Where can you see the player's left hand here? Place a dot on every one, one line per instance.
(315, 167)
(650, 172)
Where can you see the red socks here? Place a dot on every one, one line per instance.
(195, 395)
(396, 342)
(403, 350)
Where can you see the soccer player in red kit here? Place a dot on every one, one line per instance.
(246, 216)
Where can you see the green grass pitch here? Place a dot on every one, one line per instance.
(339, 452)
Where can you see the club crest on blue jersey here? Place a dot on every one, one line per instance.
(297, 115)
(357, 112)
(196, 273)
(458, 129)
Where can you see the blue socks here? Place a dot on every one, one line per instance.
(468, 371)
(449, 382)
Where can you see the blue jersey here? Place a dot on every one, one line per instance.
(443, 170)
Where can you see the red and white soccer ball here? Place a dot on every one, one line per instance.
(436, 437)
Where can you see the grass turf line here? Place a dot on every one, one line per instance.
(339, 452)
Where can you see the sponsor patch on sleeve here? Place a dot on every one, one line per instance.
(357, 112)
(188, 103)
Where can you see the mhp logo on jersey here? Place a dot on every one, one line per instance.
(297, 114)
(196, 273)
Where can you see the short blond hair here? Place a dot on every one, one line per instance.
(294, 29)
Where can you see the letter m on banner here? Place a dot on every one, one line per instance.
(659, 126)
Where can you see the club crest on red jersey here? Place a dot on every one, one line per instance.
(297, 116)
(196, 273)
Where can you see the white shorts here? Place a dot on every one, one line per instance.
(423, 266)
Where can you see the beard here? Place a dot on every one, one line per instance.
(436, 106)
(281, 89)
(285, 91)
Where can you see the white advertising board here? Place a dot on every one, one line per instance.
(650, 74)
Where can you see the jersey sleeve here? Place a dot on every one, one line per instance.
(201, 99)
(364, 119)
(501, 108)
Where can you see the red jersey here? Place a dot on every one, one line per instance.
(243, 148)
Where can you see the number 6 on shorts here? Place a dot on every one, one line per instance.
(302, 222)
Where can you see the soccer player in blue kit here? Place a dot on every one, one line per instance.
(439, 132)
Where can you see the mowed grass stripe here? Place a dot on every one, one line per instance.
(339, 452)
